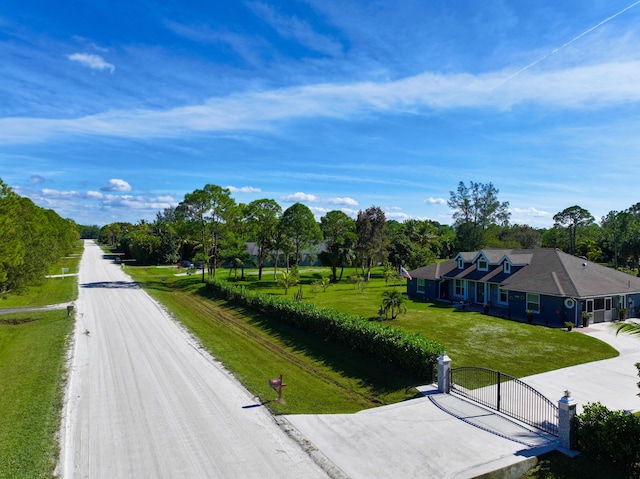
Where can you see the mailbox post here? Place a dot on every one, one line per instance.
(276, 384)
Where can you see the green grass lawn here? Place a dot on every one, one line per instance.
(471, 338)
(32, 362)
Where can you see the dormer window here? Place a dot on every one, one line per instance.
(460, 263)
(506, 267)
(483, 264)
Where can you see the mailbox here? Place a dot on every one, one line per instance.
(276, 384)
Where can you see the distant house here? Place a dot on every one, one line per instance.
(555, 286)
(310, 256)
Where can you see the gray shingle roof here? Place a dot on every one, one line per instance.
(544, 271)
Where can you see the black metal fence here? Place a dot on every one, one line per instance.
(507, 395)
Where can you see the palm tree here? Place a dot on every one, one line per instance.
(393, 301)
(632, 327)
(288, 279)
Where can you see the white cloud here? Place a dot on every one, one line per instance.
(349, 212)
(531, 211)
(397, 215)
(48, 193)
(95, 62)
(94, 195)
(36, 179)
(116, 184)
(243, 189)
(299, 197)
(436, 201)
(318, 211)
(531, 216)
(609, 84)
(342, 201)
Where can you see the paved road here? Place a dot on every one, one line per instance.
(144, 401)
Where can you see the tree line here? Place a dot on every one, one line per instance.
(32, 239)
(211, 228)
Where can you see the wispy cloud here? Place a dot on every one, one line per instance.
(36, 179)
(578, 88)
(95, 62)
(291, 27)
(436, 201)
(116, 184)
(309, 198)
(243, 189)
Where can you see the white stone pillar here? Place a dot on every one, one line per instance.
(444, 373)
(566, 423)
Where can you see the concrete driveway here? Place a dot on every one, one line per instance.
(445, 436)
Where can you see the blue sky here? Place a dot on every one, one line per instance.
(113, 110)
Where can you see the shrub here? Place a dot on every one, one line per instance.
(610, 436)
(408, 351)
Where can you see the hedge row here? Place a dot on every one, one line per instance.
(411, 352)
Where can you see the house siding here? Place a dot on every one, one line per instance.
(553, 275)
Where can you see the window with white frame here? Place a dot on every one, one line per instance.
(533, 302)
(503, 296)
(460, 263)
(420, 287)
(483, 265)
(459, 286)
(506, 267)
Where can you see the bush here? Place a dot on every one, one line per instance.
(411, 352)
(610, 436)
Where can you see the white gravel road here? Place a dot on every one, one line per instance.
(144, 401)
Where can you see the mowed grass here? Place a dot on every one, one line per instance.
(32, 365)
(471, 338)
(320, 377)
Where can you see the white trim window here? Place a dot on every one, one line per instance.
(420, 286)
(533, 302)
(460, 263)
(460, 288)
(483, 264)
(503, 296)
(506, 267)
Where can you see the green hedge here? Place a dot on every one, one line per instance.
(411, 352)
(612, 437)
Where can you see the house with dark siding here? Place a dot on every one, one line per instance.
(555, 286)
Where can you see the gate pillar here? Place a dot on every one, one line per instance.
(444, 373)
(566, 423)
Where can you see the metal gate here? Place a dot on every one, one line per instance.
(507, 395)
